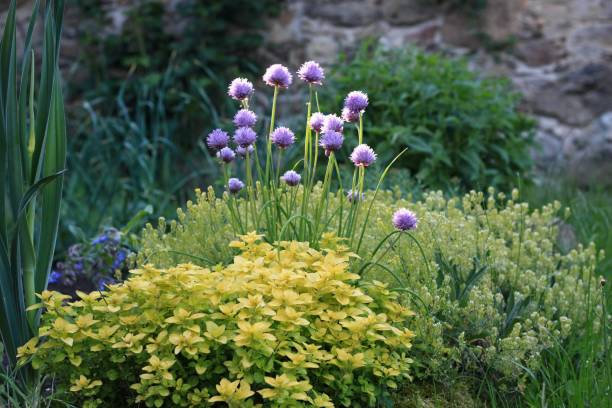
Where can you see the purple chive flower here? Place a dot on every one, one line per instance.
(405, 220)
(311, 72)
(217, 139)
(278, 75)
(363, 155)
(331, 141)
(240, 89)
(226, 155)
(54, 277)
(332, 123)
(282, 137)
(354, 196)
(349, 115)
(244, 136)
(234, 185)
(316, 121)
(242, 151)
(356, 101)
(245, 118)
(291, 178)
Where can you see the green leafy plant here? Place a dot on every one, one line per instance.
(491, 290)
(148, 90)
(462, 131)
(32, 160)
(137, 149)
(283, 326)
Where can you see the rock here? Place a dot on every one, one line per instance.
(407, 12)
(347, 13)
(540, 51)
(577, 97)
(424, 35)
(590, 153)
(592, 43)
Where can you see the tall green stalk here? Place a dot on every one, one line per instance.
(32, 161)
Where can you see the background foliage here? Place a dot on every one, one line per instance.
(143, 99)
(462, 131)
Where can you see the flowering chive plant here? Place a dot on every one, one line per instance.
(263, 189)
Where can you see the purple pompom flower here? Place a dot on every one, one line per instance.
(354, 196)
(234, 185)
(332, 123)
(405, 220)
(331, 141)
(226, 155)
(245, 118)
(244, 136)
(291, 178)
(356, 101)
(278, 75)
(363, 155)
(242, 151)
(316, 121)
(217, 139)
(240, 89)
(282, 137)
(311, 72)
(350, 116)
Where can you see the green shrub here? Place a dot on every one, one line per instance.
(147, 92)
(284, 326)
(462, 131)
(491, 289)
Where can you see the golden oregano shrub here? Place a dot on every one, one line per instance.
(281, 326)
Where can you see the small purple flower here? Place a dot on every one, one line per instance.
(119, 259)
(78, 266)
(278, 75)
(331, 141)
(311, 72)
(240, 89)
(242, 151)
(226, 155)
(217, 139)
(244, 136)
(332, 123)
(405, 220)
(54, 277)
(282, 137)
(291, 178)
(350, 116)
(100, 239)
(234, 185)
(245, 118)
(363, 155)
(354, 196)
(356, 101)
(104, 282)
(316, 121)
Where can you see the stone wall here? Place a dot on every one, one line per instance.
(558, 53)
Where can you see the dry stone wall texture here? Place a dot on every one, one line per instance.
(558, 53)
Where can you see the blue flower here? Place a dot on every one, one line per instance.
(102, 283)
(119, 259)
(100, 239)
(54, 277)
